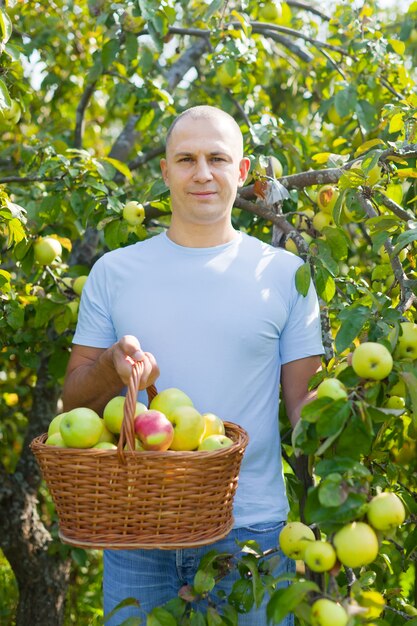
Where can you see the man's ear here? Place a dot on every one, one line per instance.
(244, 167)
(164, 170)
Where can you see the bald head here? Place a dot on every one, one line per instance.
(206, 112)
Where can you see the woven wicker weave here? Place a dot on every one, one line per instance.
(132, 499)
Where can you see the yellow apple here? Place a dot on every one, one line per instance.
(291, 246)
(133, 213)
(55, 440)
(356, 544)
(188, 426)
(81, 428)
(114, 411)
(321, 220)
(213, 425)
(262, 164)
(105, 445)
(78, 284)
(325, 612)
(269, 11)
(372, 360)
(46, 249)
(395, 402)
(215, 442)
(73, 307)
(386, 511)
(320, 556)
(373, 175)
(227, 79)
(406, 349)
(169, 399)
(331, 388)
(294, 538)
(327, 197)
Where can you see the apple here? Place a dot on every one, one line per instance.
(373, 175)
(106, 435)
(46, 249)
(260, 168)
(56, 440)
(213, 425)
(406, 349)
(54, 424)
(331, 388)
(395, 402)
(78, 284)
(169, 399)
(320, 556)
(81, 428)
(294, 538)
(188, 426)
(11, 115)
(269, 11)
(334, 116)
(215, 442)
(114, 411)
(373, 601)
(73, 306)
(154, 430)
(385, 511)
(105, 445)
(399, 389)
(356, 544)
(291, 246)
(321, 220)
(225, 78)
(326, 612)
(327, 197)
(372, 360)
(134, 213)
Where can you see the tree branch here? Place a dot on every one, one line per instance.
(80, 112)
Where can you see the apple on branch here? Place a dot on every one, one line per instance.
(406, 349)
(372, 360)
(332, 388)
(154, 430)
(81, 428)
(46, 249)
(325, 612)
(327, 197)
(78, 284)
(356, 544)
(134, 213)
(386, 511)
(320, 556)
(294, 538)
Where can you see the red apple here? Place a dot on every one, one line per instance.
(154, 430)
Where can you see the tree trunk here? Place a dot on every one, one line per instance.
(42, 576)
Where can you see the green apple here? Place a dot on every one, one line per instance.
(134, 213)
(10, 116)
(225, 78)
(73, 306)
(356, 544)
(261, 164)
(169, 399)
(56, 440)
(105, 445)
(374, 601)
(78, 284)
(395, 402)
(213, 425)
(215, 442)
(106, 435)
(325, 612)
(294, 538)
(269, 11)
(406, 349)
(46, 249)
(54, 424)
(114, 411)
(386, 511)
(327, 197)
(372, 360)
(188, 426)
(332, 388)
(291, 246)
(399, 389)
(81, 428)
(320, 556)
(321, 220)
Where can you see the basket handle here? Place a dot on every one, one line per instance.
(127, 433)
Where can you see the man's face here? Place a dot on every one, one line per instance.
(203, 169)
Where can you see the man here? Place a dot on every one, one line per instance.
(220, 318)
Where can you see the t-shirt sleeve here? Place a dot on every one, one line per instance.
(301, 336)
(94, 326)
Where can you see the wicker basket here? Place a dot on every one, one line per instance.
(126, 499)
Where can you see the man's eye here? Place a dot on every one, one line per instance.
(217, 159)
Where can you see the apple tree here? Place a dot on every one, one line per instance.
(326, 101)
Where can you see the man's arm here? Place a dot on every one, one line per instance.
(295, 376)
(95, 375)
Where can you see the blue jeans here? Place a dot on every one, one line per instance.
(155, 576)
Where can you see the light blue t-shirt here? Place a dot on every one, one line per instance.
(220, 321)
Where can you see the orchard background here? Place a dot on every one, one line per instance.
(87, 92)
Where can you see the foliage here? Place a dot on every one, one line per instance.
(86, 96)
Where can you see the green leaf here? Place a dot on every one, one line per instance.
(367, 115)
(5, 100)
(352, 508)
(15, 315)
(325, 284)
(198, 619)
(5, 26)
(410, 380)
(214, 6)
(353, 320)
(404, 239)
(213, 617)
(120, 167)
(341, 465)
(337, 241)
(160, 617)
(332, 491)
(109, 52)
(241, 596)
(334, 418)
(284, 601)
(250, 562)
(203, 581)
(303, 279)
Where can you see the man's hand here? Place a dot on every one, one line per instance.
(128, 347)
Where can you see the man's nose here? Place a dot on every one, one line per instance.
(202, 170)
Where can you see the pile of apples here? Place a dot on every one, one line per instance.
(171, 423)
(354, 545)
